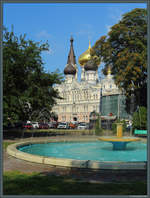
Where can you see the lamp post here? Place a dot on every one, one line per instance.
(100, 109)
(131, 108)
(118, 114)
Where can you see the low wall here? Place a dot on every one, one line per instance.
(43, 132)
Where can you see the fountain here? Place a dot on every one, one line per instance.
(80, 153)
(119, 142)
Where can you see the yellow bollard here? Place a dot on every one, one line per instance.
(119, 130)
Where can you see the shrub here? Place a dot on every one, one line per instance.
(98, 129)
(140, 118)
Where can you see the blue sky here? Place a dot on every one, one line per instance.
(57, 22)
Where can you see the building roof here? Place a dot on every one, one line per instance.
(90, 65)
(71, 56)
(87, 55)
(69, 69)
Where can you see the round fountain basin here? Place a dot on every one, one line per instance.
(93, 155)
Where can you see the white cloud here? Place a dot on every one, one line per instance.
(86, 30)
(44, 34)
(115, 14)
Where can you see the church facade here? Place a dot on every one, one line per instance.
(80, 98)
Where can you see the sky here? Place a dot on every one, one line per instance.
(57, 22)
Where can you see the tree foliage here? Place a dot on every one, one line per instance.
(125, 50)
(98, 128)
(24, 80)
(140, 118)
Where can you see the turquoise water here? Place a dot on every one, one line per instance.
(99, 151)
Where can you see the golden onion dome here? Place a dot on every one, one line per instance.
(109, 70)
(86, 56)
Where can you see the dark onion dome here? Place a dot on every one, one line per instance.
(91, 65)
(69, 69)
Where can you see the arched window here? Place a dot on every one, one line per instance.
(83, 117)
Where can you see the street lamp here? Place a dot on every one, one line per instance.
(100, 109)
(131, 107)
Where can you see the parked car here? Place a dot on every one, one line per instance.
(82, 125)
(73, 125)
(27, 126)
(43, 126)
(50, 124)
(35, 125)
(53, 124)
(63, 125)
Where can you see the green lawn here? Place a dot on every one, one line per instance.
(16, 183)
(5, 144)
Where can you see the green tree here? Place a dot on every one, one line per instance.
(98, 129)
(140, 118)
(125, 50)
(25, 83)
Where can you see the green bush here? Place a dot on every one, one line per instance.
(98, 129)
(140, 119)
(43, 132)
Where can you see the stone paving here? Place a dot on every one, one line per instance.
(101, 176)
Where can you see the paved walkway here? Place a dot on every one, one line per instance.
(101, 176)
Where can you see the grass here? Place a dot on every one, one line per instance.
(5, 144)
(17, 183)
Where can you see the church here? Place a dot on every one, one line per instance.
(89, 94)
